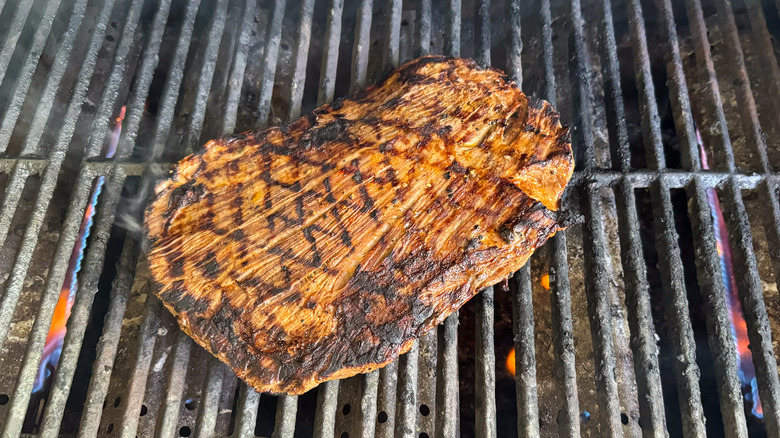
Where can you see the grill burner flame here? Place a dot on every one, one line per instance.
(745, 370)
(54, 339)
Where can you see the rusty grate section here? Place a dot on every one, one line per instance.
(633, 336)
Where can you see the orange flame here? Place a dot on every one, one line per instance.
(545, 280)
(510, 362)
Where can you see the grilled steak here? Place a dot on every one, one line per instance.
(323, 248)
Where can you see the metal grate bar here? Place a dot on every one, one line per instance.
(525, 353)
(82, 306)
(423, 30)
(609, 335)
(615, 109)
(753, 307)
(741, 83)
(135, 389)
(14, 106)
(677, 313)
(452, 29)
(651, 129)
(447, 382)
(209, 406)
(681, 104)
(772, 228)
(654, 149)
(105, 112)
(350, 393)
(427, 377)
(109, 340)
(609, 346)
(286, 408)
(175, 385)
(482, 32)
(17, 25)
(392, 51)
(79, 317)
(485, 358)
(248, 401)
(361, 46)
(368, 404)
(547, 53)
(597, 290)
(568, 417)
(515, 49)
(13, 191)
(330, 55)
(581, 92)
(406, 394)
(325, 417)
(721, 340)
(300, 56)
(713, 106)
(386, 401)
(271, 55)
(644, 345)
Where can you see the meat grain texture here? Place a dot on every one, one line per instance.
(323, 248)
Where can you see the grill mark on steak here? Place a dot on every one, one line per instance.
(323, 248)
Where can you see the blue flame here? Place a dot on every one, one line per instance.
(52, 349)
(745, 369)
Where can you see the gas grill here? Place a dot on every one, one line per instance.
(624, 325)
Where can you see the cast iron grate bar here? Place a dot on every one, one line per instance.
(599, 309)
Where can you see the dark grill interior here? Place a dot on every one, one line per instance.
(633, 336)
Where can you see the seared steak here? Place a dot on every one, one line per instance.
(323, 248)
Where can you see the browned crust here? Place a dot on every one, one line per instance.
(321, 249)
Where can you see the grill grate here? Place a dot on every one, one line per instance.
(189, 70)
